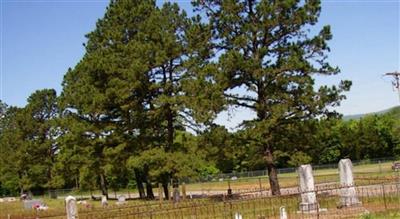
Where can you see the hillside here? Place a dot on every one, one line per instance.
(394, 111)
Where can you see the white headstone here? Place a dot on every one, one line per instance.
(282, 213)
(104, 201)
(70, 206)
(348, 196)
(238, 215)
(307, 189)
(121, 200)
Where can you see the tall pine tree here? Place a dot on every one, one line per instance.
(266, 63)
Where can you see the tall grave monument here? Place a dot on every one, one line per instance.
(70, 206)
(348, 196)
(307, 189)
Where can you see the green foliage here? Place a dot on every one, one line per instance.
(299, 158)
(28, 141)
(265, 50)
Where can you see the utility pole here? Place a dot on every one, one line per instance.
(396, 80)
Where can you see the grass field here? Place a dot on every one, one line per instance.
(254, 207)
(262, 207)
(363, 174)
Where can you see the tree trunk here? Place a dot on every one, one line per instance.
(272, 173)
(169, 83)
(149, 190)
(103, 185)
(76, 182)
(170, 129)
(166, 192)
(139, 183)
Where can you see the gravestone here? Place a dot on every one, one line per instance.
(307, 189)
(70, 206)
(348, 196)
(104, 201)
(282, 213)
(238, 215)
(121, 200)
(29, 204)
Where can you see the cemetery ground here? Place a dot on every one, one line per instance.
(378, 188)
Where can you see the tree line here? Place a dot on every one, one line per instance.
(139, 108)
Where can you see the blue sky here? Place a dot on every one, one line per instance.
(41, 39)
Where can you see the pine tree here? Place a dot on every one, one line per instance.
(140, 71)
(29, 140)
(266, 63)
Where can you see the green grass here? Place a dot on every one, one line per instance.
(364, 174)
(208, 208)
(255, 207)
(391, 214)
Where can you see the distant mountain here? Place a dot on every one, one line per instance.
(394, 111)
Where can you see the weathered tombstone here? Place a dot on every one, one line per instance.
(121, 200)
(307, 189)
(282, 213)
(348, 196)
(238, 215)
(104, 201)
(29, 204)
(70, 206)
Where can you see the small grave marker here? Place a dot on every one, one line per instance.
(238, 215)
(121, 200)
(282, 212)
